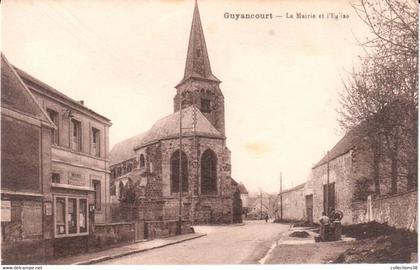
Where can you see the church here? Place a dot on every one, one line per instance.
(146, 169)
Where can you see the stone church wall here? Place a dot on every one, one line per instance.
(196, 207)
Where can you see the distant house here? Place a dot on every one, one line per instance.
(237, 205)
(244, 197)
(291, 203)
(258, 210)
(346, 173)
(261, 206)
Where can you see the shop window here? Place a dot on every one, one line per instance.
(96, 146)
(76, 141)
(82, 215)
(71, 216)
(97, 188)
(54, 132)
(59, 216)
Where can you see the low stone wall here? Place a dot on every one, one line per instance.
(26, 252)
(399, 211)
(162, 229)
(107, 235)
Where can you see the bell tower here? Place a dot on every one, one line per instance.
(199, 86)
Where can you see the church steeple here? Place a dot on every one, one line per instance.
(198, 63)
(200, 87)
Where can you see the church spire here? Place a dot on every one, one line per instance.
(198, 63)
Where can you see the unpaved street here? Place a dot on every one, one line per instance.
(222, 245)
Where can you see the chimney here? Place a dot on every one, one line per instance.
(82, 102)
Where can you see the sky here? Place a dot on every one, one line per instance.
(281, 77)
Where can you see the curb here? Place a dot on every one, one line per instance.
(110, 257)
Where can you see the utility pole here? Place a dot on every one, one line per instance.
(328, 185)
(179, 227)
(196, 163)
(261, 204)
(281, 197)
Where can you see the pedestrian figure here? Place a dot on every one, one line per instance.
(325, 223)
(266, 218)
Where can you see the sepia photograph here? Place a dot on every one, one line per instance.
(209, 133)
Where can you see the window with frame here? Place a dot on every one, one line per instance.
(97, 187)
(96, 146)
(76, 141)
(54, 132)
(55, 178)
(71, 216)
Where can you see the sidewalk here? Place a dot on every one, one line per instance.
(112, 253)
(304, 250)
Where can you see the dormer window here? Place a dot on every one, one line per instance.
(205, 105)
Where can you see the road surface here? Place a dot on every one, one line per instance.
(231, 244)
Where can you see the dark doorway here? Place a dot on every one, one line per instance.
(331, 198)
(309, 202)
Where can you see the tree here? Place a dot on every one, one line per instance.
(383, 95)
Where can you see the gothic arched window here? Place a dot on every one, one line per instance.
(142, 162)
(209, 172)
(121, 189)
(175, 172)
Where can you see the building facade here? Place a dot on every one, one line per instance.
(292, 203)
(26, 200)
(80, 176)
(344, 180)
(149, 163)
(69, 159)
(347, 174)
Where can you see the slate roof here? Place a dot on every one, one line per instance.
(242, 189)
(124, 150)
(165, 128)
(36, 84)
(293, 188)
(345, 144)
(17, 97)
(168, 127)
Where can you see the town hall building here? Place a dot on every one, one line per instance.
(145, 169)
